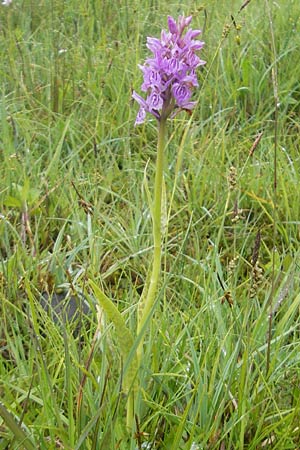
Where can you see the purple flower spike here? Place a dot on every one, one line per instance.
(170, 74)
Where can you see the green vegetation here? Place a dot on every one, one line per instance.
(216, 373)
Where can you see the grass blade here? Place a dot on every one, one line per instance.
(15, 428)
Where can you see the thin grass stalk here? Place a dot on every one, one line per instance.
(274, 214)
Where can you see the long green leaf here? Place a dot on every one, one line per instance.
(16, 429)
(124, 336)
(56, 156)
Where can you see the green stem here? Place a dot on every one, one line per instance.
(147, 301)
(130, 411)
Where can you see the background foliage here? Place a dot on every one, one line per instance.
(73, 207)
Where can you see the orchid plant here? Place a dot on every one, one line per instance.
(169, 80)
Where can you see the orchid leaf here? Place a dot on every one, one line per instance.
(124, 336)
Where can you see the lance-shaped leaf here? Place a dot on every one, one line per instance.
(124, 336)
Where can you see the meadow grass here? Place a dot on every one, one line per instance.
(216, 373)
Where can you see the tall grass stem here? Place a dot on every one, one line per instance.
(274, 212)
